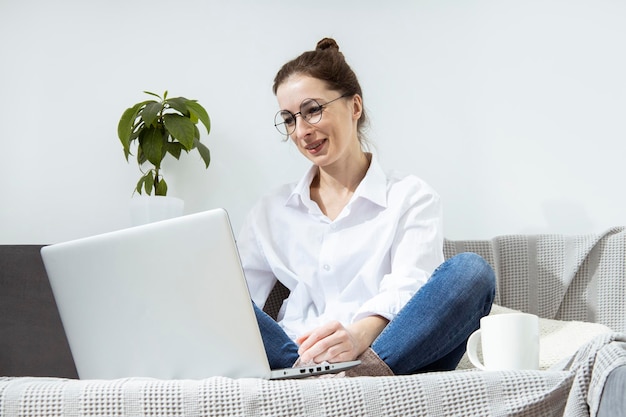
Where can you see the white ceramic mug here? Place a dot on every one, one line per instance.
(508, 342)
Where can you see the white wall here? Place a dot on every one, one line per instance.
(513, 110)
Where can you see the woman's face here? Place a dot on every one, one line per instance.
(334, 138)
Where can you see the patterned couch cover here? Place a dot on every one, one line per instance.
(554, 276)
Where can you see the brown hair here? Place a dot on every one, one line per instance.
(326, 63)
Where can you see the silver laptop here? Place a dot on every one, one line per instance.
(165, 300)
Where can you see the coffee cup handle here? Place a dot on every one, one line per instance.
(472, 349)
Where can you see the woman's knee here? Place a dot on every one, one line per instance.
(475, 270)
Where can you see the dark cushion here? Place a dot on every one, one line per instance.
(275, 300)
(32, 339)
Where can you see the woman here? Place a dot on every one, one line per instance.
(359, 249)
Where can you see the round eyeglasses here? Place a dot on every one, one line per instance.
(310, 111)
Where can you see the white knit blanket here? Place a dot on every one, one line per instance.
(558, 340)
(573, 391)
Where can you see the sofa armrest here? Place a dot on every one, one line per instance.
(613, 401)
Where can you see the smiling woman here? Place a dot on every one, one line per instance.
(359, 249)
(326, 63)
(330, 135)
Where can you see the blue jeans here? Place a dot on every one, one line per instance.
(431, 330)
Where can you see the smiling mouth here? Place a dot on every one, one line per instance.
(315, 145)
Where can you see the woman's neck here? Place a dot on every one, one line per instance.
(347, 176)
(334, 186)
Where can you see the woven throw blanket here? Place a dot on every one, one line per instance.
(578, 277)
(573, 390)
(591, 366)
(459, 393)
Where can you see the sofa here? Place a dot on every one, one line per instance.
(575, 284)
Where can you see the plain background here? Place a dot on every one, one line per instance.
(513, 110)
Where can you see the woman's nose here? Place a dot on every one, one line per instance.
(303, 128)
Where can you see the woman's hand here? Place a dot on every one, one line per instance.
(334, 342)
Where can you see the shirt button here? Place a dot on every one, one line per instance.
(326, 267)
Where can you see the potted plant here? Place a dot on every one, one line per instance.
(161, 127)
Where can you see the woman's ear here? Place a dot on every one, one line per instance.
(357, 107)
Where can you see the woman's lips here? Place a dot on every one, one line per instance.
(315, 147)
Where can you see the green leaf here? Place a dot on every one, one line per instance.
(145, 183)
(154, 94)
(180, 128)
(174, 148)
(140, 184)
(161, 188)
(204, 153)
(150, 113)
(137, 128)
(126, 126)
(179, 104)
(151, 142)
(148, 182)
(141, 157)
(200, 113)
(196, 132)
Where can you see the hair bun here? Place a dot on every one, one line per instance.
(327, 43)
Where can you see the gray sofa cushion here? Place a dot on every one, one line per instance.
(32, 339)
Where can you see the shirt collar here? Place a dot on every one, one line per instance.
(302, 191)
(373, 187)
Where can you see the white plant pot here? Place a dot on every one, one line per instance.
(147, 209)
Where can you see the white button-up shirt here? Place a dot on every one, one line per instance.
(370, 260)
